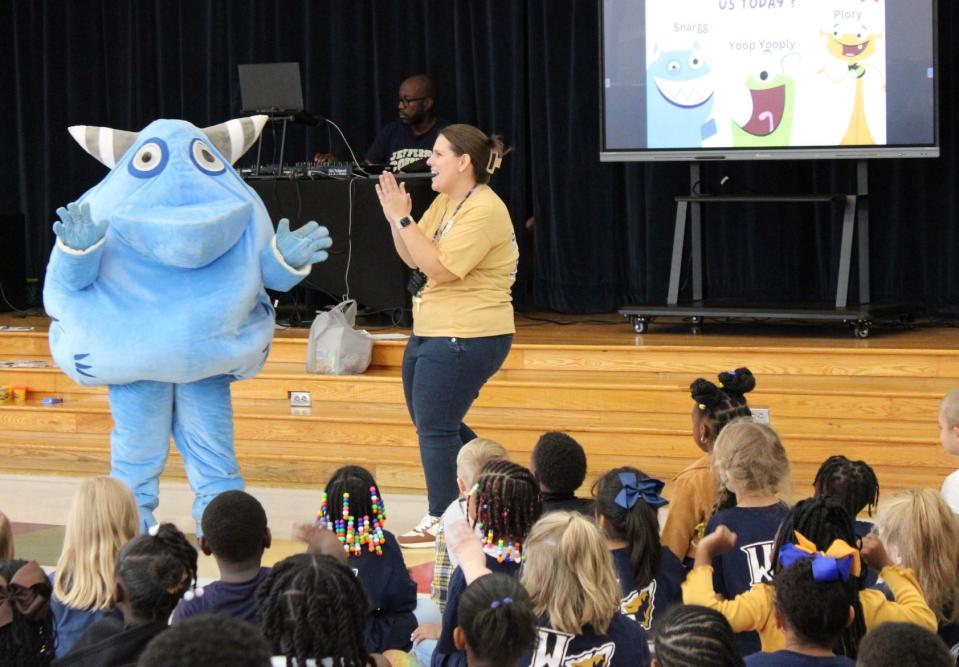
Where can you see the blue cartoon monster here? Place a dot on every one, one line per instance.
(679, 99)
(155, 288)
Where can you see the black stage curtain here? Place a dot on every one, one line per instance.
(525, 68)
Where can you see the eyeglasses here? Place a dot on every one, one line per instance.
(406, 101)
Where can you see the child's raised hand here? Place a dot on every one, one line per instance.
(873, 551)
(320, 541)
(463, 543)
(717, 542)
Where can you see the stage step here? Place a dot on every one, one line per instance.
(627, 404)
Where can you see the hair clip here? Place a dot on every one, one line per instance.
(496, 603)
(154, 530)
(702, 407)
(494, 163)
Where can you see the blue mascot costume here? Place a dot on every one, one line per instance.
(155, 288)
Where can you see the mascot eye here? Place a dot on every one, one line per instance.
(204, 158)
(673, 66)
(150, 159)
(695, 62)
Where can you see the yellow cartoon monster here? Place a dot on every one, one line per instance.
(852, 45)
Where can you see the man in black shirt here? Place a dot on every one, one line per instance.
(409, 139)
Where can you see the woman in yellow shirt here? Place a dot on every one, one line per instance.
(464, 255)
(821, 522)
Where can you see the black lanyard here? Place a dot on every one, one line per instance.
(437, 237)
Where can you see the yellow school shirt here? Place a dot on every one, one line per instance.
(481, 249)
(753, 610)
(691, 499)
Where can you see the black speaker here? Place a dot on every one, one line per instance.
(13, 262)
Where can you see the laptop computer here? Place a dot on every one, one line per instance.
(271, 88)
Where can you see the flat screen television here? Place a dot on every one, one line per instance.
(767, 79)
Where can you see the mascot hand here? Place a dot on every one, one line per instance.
(76, 228)
(306, 245)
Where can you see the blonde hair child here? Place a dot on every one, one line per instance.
(568, 572)
(102, 519)
(949, 437)
(6, 538)
(749, 460)
(921, 532)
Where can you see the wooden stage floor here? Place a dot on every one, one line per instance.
(624, 396)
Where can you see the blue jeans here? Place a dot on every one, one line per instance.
(442, 376)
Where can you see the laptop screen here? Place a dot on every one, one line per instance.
(271, 87)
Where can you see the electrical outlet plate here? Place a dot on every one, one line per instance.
(760, 415)
(300, 399)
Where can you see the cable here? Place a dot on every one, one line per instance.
(19, 311)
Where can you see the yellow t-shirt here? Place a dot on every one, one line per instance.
(479, 247)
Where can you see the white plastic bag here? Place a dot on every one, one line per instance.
(335, 347)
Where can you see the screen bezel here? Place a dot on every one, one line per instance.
(786, 153)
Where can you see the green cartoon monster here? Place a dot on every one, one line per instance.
(773, 98)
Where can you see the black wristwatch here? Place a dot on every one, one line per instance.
(405, 221)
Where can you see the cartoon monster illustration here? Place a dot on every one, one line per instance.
(773, 100)
(852, 45)
(155, 288)
(679, 99)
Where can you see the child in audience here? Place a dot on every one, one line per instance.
(153, 571)
(6, 538)
(102, 519)
(851, 484)
(949, 437)
(496, 622)
(559, 464)
(903, 645)
(750, 461)
(208, 640)
(694, 494)
(692, 635)
(469, 461)
(313, 611)
(569, 574)
(822, 523)
(920, 532)
(26, 626)
(503, 505)
(649, 574)
(235, 534)
(353, 508)
(813, 607)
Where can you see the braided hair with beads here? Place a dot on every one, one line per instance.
(507, 501)
(852, 484)
(312, 608)
(692, 635)
(353, 509)
(721, 405)
(822, 521)
(157, 569)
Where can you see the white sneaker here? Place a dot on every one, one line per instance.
(423, 535)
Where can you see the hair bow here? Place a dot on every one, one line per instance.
(22, 592)
(496, 603)
(633, 490)
(837, 562)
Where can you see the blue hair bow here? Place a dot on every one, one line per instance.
(633, 490)
(837, 563)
